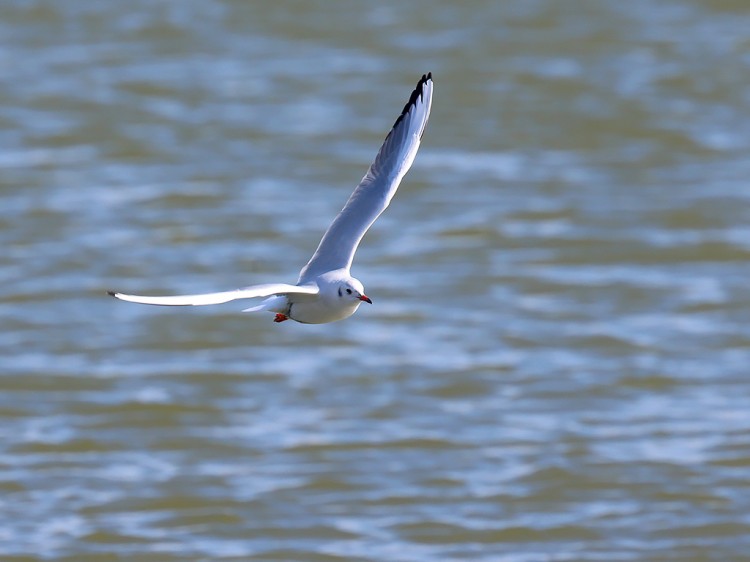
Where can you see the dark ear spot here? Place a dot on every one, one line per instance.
(339, 291)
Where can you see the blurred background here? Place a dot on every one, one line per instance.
(555, 366)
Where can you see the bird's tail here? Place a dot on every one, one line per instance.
(276, 303)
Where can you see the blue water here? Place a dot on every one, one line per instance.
(554, 366)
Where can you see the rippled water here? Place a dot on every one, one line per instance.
(555, 366)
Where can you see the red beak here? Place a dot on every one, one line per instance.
(365, 298)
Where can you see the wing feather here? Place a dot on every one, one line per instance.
(377, 188)
(217, 298)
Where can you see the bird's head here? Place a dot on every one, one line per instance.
(352, 290)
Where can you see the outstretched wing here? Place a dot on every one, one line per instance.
(217, 298)
(373, 194)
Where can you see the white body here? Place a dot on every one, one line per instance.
(326, 306)
(326, 291)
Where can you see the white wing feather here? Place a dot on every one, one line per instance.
(217, 298)
(373, 194)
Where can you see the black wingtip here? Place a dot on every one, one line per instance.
(112, 294)
(415, 95)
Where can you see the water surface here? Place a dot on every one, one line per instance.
(555, 364)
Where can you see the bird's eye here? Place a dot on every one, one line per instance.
(348, 291)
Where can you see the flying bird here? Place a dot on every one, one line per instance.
(325, 290)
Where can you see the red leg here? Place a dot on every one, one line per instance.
(280, 317)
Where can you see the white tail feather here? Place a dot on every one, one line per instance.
(271, 304)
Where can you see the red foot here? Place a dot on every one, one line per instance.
(280, 317)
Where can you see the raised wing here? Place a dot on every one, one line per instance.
(373, 194)
(217, 298)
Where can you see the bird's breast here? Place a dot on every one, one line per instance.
(321, 312)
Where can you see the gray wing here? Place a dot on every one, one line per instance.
(373, 194)
(217, 298)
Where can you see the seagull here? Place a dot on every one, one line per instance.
(326, 291)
